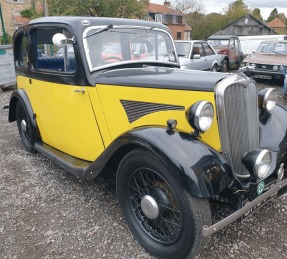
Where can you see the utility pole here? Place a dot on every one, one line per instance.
(46, 11)
(3, 28)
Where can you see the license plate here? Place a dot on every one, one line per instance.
(245, 202)
(262, 76)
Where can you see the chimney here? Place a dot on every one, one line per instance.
(167, 3)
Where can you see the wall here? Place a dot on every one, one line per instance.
(7, 69)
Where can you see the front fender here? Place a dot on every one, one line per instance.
(198, 168)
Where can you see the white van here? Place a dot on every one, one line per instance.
(250, 43)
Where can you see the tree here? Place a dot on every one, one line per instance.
(235, 10)
(257, 14)
(101, 8)
(273, 15)
(186, 6)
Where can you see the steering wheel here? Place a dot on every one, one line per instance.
(105, 60)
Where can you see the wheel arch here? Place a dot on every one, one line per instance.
(20, 95)
(198, 168)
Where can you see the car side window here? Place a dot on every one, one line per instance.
(21, 51)
(236, 44)
(208, 50)
(231, 43)
(48, 57)
(197, 49)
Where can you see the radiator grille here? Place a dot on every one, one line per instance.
(238, 121)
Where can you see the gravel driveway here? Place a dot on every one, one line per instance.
(48, 213)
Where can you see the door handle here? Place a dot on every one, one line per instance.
(82, 90)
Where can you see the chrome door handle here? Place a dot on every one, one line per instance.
(82, 90)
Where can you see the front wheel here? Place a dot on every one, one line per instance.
(164, 218)
(25, 127)
(214, 68)
(224, 66)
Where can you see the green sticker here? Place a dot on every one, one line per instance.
(2, 51)
(260, 188)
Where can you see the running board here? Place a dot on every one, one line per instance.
(71, 164)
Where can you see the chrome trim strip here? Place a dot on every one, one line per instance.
(207, 231)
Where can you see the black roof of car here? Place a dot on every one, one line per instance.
(75, 21)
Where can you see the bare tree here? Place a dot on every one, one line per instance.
(187, 6)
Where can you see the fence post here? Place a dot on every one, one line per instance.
(3, 28)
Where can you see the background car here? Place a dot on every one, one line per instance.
(228, 45)
(267, 60)
(197, 55)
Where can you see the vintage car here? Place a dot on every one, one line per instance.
(197, 55)
(178, 138)
(228, 45)
(266, 62)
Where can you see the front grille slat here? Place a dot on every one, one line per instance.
(238, 120)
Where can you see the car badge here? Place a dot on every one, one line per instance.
(260, 188)
(86, 22)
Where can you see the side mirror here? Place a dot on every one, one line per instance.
(60, 40)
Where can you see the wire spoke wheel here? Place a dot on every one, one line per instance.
(166, 220)
(166, 226)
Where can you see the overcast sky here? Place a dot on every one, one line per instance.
(265, 6)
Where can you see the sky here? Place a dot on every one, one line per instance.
(265, 6)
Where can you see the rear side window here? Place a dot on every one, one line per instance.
(21, 51)
(208, 50)
(49, 57)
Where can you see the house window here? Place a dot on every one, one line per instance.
(169, 19)
(158, 18)
(179, 19)
(178, 35)
(15, 1)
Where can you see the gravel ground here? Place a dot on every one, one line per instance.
(48, 213)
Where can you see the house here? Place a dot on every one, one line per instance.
(246, 25)
(278, 26)
(169, 17)
(11, 14)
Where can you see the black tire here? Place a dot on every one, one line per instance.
(214, 68)
(25, 127)
(173, 228)
(224, 66)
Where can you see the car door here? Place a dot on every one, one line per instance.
(210, 55)
(197, 57)
(63, 111)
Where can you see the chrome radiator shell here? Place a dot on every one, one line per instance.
(238, 120)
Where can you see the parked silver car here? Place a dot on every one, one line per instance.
(197, 55)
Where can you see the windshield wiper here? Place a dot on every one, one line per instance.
(101, 30)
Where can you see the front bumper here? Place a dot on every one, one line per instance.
(252, 71)
(207, 231)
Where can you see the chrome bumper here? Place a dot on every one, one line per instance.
(207, 231)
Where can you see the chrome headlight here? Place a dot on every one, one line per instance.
(267, 99)
(258, 162)
(200, 115)
(275, 67)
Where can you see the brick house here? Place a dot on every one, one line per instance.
(278, 26)
(169, 17)
(11, 14)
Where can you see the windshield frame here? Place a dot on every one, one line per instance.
(145, 29)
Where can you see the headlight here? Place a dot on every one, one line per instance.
(262, 164)
(200, 115)
(275, 67)
(258, 162)
(253, 65)
(267, 99)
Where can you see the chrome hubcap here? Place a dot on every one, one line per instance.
(149, 207)
(23, 125)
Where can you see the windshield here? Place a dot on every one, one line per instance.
(272, 48)
(108, 46)
(218, 43)
(183, 48)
